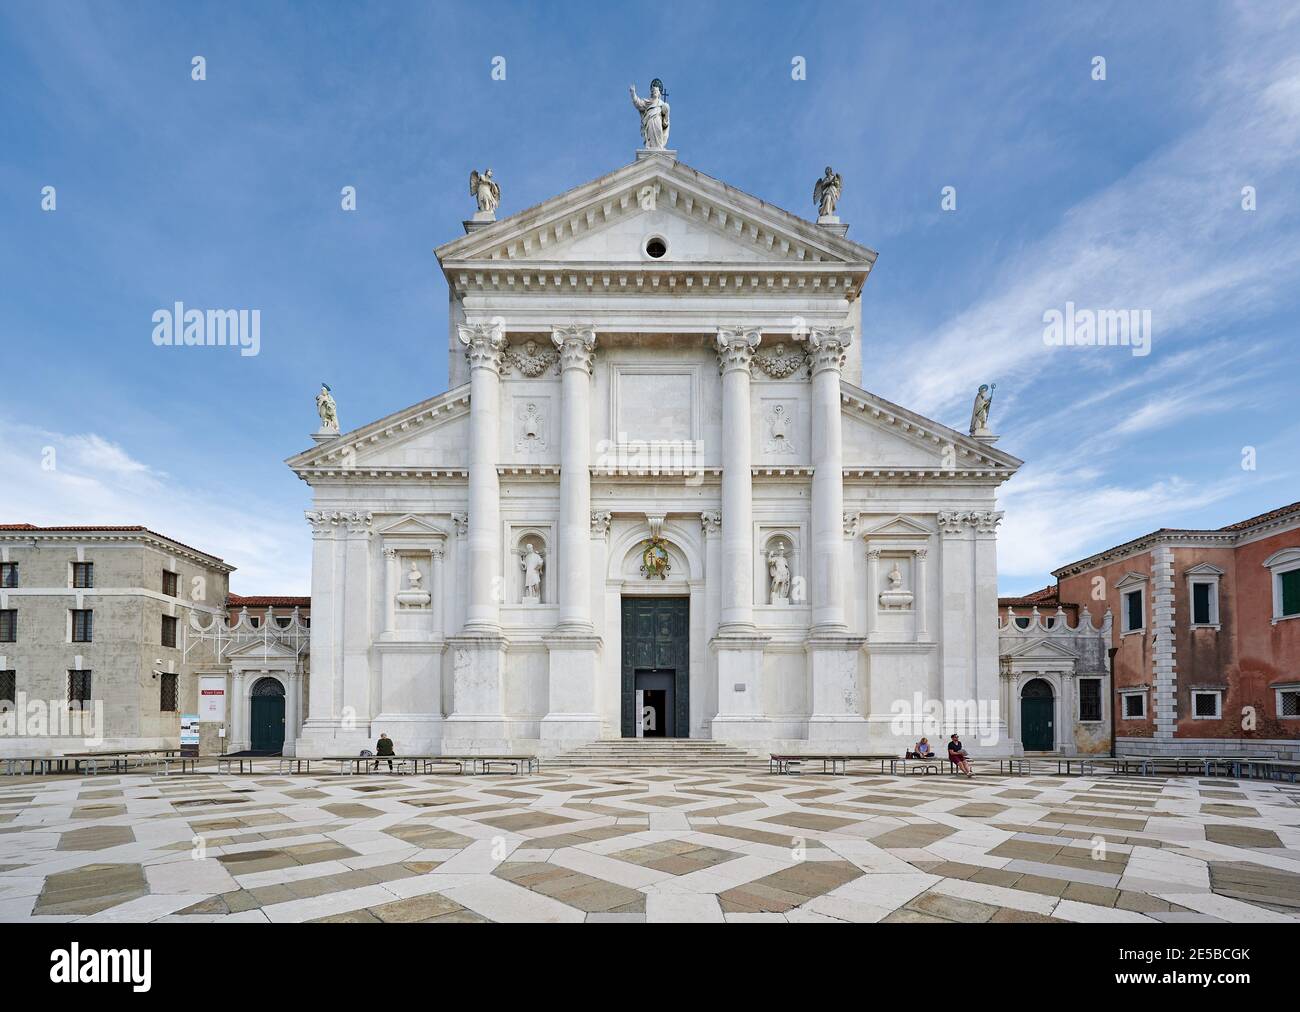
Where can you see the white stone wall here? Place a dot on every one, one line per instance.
(735, 360)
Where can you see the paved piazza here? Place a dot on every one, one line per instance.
(648, 845)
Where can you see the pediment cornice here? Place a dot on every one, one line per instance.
(971, 458)
(520, 250)
(339, 455)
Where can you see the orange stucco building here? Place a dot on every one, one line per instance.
(1205, 633)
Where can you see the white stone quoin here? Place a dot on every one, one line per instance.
(654, 391)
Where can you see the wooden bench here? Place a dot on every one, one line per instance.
(520, 763)
(832, 762)
(924, 765)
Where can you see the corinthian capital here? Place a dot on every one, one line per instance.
(827, 345)
(736, 347)
(484, 344)
(576, 344)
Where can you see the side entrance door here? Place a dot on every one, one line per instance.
(266, 716)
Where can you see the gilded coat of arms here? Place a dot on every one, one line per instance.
(654, 560)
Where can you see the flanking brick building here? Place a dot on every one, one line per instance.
(1205, 634)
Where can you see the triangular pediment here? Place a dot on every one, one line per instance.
(899, 526)
(1044, 647)
(267, 646)
(884, 439)
(411, 526)
(702, 219)
(431, 436)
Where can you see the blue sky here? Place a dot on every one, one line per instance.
(1117, 194)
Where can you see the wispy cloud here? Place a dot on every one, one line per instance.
(52, 478)
(1169, 235)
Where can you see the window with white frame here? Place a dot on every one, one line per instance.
(1134, 705)
(1203, 594)
(1133, 610)
(1207, 704)
(1090, 701)
(1284, 566)
(1288, 701)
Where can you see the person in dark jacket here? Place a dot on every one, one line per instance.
(384, 749)
(957, 756)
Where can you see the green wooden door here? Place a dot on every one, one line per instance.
(656, 638)
(266, 719)
(1036, 709)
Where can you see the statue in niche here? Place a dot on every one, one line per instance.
(414, 596)
(894, 596)
(654, 115)
(778, 570)
(532, 562)
(979, 416)
(325, 407)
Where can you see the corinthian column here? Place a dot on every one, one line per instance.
(576, 346)
(826, 350)
(735, 351)
(484, 343)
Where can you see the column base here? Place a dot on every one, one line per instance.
(739, 661)
(836, 694)
(328, 737)
(574, 667)
(478, 723)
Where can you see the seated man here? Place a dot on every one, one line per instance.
(384, 749)
(957, 755)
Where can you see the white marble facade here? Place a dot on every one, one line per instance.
(653, 358)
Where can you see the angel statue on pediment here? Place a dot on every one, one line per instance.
(826, 192)
(485, 190)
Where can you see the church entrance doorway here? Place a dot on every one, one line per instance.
(656, 667)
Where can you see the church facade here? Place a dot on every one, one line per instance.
(655, 500)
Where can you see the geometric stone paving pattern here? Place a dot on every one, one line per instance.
(610, 845)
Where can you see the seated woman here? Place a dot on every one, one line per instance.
(923, 749)
(957, 755)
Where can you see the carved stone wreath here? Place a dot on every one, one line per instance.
(782, 361)
(531, 359)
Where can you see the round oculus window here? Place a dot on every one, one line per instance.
(655, 247)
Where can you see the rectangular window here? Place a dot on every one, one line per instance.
(1290, 592)
(1288, 703)
(169, 583)
(9, 625)
(1135, 705)
(83, 625)
(8, 575)
(79, 687)
(1205, 705)
(8, 689)
(1201, 603)
(1090, 699)
(83, 574)
(1133, 616)
(168, 631)
(167, 693)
